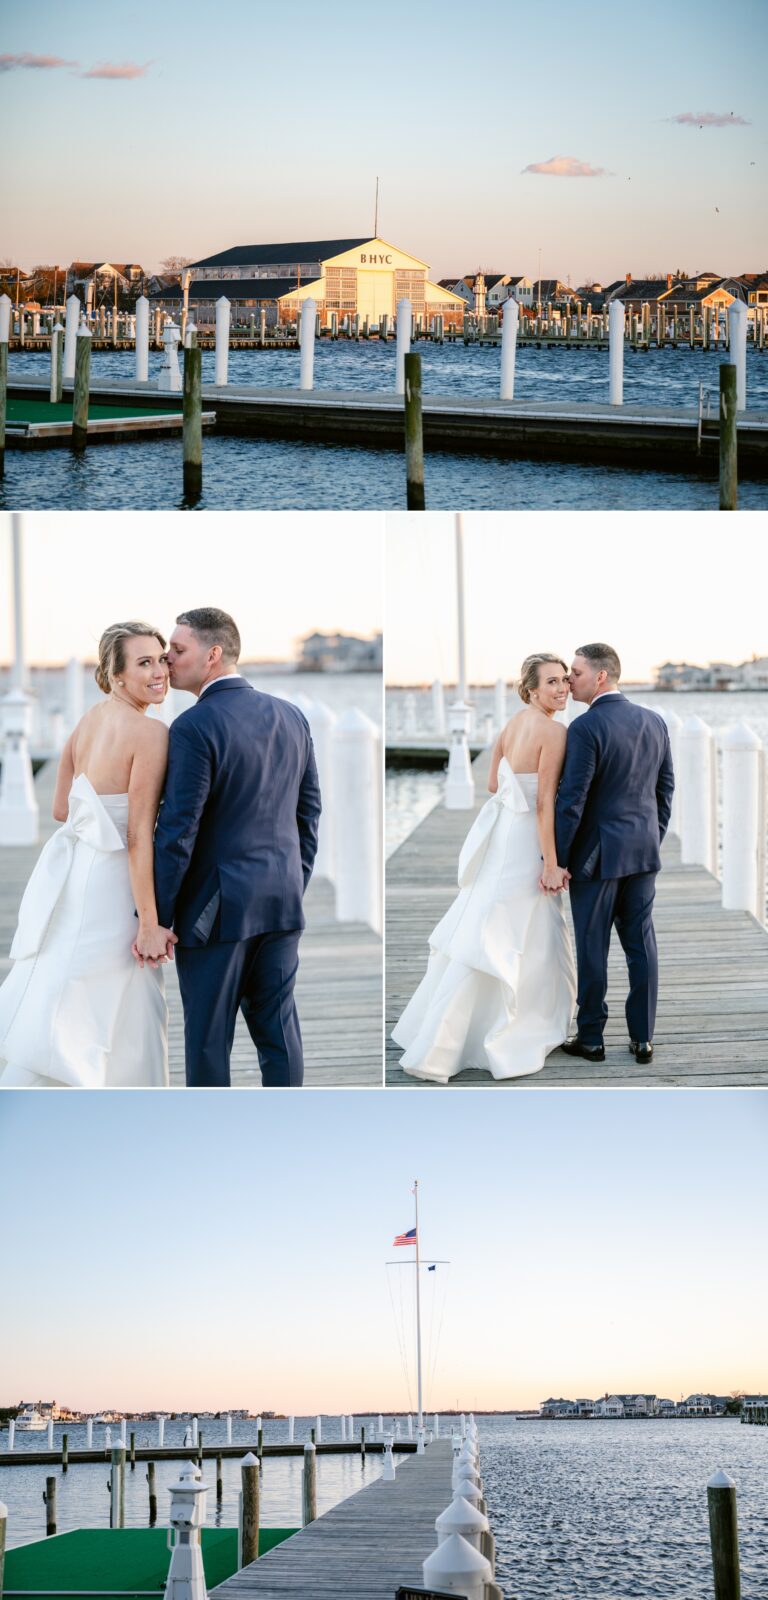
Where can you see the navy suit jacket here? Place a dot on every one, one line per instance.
(615, 796)
(236, 837)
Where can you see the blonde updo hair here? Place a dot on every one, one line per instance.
(529, 673)
(112, 649)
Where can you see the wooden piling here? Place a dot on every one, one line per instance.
(219, 1480)
(728, 439)
(192, 424)
(309, 1486)
(117, 1488)
(200, 1449)
(65, 1452)
(82, 385)
(260, 1443)
(57, 364)
(724, 1537)
(50, 1507)
(362, 1442)
(151, 1480)
(249, 1472)
(3, 1526)
(414, 435)
(3, 402)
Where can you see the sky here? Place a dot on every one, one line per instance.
(607, 139)
(161, 1256)
(658, 586)
(280, 574)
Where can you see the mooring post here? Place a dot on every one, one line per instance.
(414, 435)
(50, 1506)
(141, 368)
(200, 1450)
(307, 357)
(72, 324)
(698, 794)
(133, 1451)
(117, 1488)
(249, 1516)
(11, 1434)
(260, 1443)
(57, 337)
(291, 1427)
(192, 424)
(728, 438)
(724, 1536)
(82, 386)
(3, 1527)
(152, 1493)
(743, 820)
(160, 1432)
(509, 325)
(65, 1452)
(5, 334)
(309, 1486)
(362, 1440)
(219, 1479)
(222, 341)
(229, 1427)
(737, 354)
(616, 353)
(402, 343)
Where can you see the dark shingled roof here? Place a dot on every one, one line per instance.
(264, 255)
(233, 288)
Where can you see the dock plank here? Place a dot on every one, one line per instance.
(712, 1021)
(366, 1546)
(339, 988)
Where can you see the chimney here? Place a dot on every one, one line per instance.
(669, 280)
(629, 279)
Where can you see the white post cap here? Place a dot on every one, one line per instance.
(309, 1447)
(720, 1480)
(461, 1517)
(456, 1561)
(250, 1460)
(741, 737)
(693, 728)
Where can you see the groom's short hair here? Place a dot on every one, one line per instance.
(603, 658)
(212, 626)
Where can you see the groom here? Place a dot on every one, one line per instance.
(234, 847)
(611, 814)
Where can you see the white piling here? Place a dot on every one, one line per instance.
(744, 821)
(141, 369)
(160, 1432)
(11, 1434)
(403, 343)
(194, 1430)
(697, 794)
(436, 1426)
(186, 1577)
(737, 352)
(457, 1567)
(438, 708)
(674, 724)
(107, 1438)
(322, 721)
(307, 357)
(318, 1430)
(123, 1434)
(89, 1434)
(462, 1518)
(350, 1427)
(343, 1422)
(229, 1428)
(50, 1435)
(291, 1429)
(500, 704)
(70, 338)
(508, 349)
(410, 1427)
(5, 318)
(356, 819)
(73, 693)
(388, 1469)
(222, 341)
(170, 380)
(459, 784)
(616, 353)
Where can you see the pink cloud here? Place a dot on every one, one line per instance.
(10, 63)
(116, 69)
(710, 119)
(567, 167)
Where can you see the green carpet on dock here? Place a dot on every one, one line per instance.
(101, 1562)
(20, 411)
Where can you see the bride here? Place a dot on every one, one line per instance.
(77, 1008)
(499, 990)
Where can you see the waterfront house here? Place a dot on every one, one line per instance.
(638, 1405)
(755, 286)
(557, 1408)
(95, 280)
(703, 1405)
(550, 292)
(340, 652)
(706, 290)
(754, 1408)
(611, 1405)
(363, 277)
(634, 293)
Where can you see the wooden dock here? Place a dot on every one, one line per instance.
(338, 990)
(712, 1023)
(365, 1548)
(642, 436)
(180, 1452)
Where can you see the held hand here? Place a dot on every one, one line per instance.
(553, 880)
(154, 945)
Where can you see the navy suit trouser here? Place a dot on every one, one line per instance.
(597, 906)
(255, 976)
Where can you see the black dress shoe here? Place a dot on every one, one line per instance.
(589, 1052)
(642, 1052)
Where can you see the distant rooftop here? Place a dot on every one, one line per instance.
(258, 255)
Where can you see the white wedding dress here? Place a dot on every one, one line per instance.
(500, 987)
(76, 1009)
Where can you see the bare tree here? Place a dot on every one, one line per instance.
(175, 264)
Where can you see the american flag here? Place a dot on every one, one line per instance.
(406, 1238)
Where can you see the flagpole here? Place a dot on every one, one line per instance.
(420, 1420)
